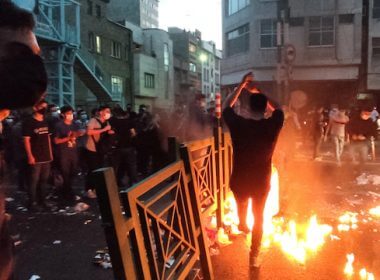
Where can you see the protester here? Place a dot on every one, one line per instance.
(253, 141)
(23, 74)
(317, 131)
(65, 137)
(39, 154)
(361, 128)
(98, 144)
(81, 122)
(336, 127)
(126, 151)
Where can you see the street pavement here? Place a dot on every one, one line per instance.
(61, 244)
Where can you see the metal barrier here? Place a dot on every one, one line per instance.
(199, 158)
(154, 230)
(159, 235)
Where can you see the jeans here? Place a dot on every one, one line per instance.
(39, 175)
(339, 145)
(68, 163)
(360, 148)
(258, 205)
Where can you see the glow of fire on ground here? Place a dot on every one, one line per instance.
(349, 270)
(295, 241)
(375, 212)
(348, 221)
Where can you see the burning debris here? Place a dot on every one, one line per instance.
(301, 241)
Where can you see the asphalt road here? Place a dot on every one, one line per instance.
(61, 245)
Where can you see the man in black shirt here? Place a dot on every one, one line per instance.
(65, 138)
(39, 154)
(360, 129)
(254, 139)
(126, 151)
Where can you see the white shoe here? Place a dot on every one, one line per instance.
(91, 194)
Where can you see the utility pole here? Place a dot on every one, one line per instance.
(363, 69)
(282, 77)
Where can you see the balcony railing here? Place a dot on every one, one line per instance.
(59, 20)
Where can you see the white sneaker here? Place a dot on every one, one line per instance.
(91, 194)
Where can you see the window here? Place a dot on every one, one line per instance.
(166, 57)
(268, 33)
(91, 45)
(238, 40)
(192, 67)
(376, 47)
(321, 31)
(98, 44)
(346, 19)
(234, 6)
(376, 9)
(296, 21)
(149, 80)
(192, 48)
(116, 87)
(98, 11)
(89, 7)
(116, 49)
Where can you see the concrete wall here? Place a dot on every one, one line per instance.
(121, 10)
(154, 41)
(373, 62)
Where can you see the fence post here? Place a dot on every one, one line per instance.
(218, 136)
(173, 149)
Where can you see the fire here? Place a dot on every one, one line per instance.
(348, 221)
(375, 212)
(365, 275)
(297, 242)
(349, 269)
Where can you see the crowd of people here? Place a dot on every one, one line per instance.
(54, 145)
(333, 131)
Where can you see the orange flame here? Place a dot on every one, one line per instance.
(349, 269)
(375, 212)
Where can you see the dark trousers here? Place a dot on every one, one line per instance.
(94, 161)
(258, 205)
(127, 165)
(39, 175)
(68, 163)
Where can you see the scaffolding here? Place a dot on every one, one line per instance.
(58, 33)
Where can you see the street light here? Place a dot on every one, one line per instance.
(203, 57)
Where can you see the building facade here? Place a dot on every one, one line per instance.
(210, 58)
(153, 75)
(324, 38)
(104, 62)
(187, 64)
(373, 82)
(143, 13)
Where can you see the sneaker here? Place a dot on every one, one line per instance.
(91, 194)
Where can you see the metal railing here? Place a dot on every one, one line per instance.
(59, 21)
(155, 230)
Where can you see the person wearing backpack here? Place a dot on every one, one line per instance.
(98, 144)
